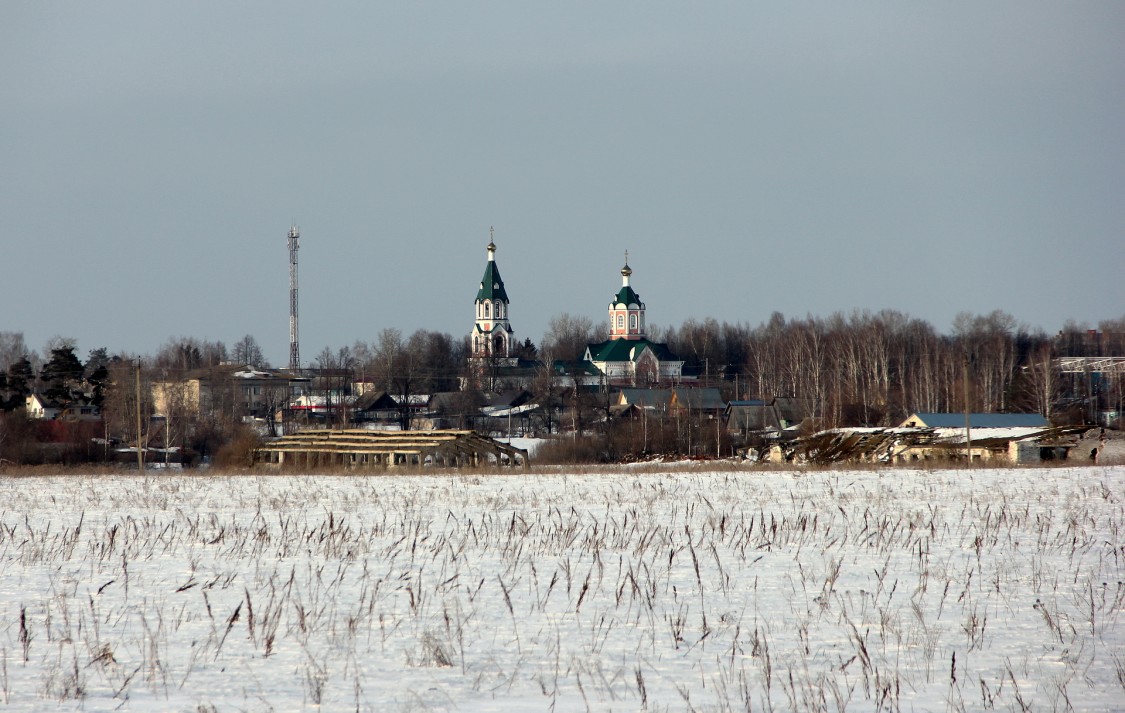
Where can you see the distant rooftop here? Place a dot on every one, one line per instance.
(977, 420)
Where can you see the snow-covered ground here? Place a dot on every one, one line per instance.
(860, 590)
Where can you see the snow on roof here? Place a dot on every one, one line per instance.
(1015, 433)
(251, 373)
(513, 411)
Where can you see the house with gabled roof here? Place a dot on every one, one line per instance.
(774, 415)
(38, 406)
(706, 400)
(376, 407)
(675, 400)
(648, 399)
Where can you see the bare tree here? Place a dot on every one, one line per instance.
(121, 405)
(1040, 379)
(440, 360)
(177, 410)
(698, 343)
(388, 350)
(59, 342)
(988, 342)
(567, 336)
(12, 349)
(334, 379)
(248, 352)
(545, 391)
(188, 353)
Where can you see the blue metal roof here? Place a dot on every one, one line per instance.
(979, 420)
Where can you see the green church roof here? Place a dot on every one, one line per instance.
(496, 327)
(628, 350)
(492, 285)
(627, 296)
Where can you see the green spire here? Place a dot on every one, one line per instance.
(492, 285)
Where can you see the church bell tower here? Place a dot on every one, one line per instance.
(492, 332)
(626, 311)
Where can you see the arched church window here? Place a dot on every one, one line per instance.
(633, 322)
(487, 310)
(499, 309)
(620, 322)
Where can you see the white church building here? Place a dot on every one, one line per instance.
(628, 358)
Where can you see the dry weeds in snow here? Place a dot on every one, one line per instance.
(832, 591)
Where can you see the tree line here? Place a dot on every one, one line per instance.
(877, 368)
(861, 368)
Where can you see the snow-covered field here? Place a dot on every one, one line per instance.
(864, 590)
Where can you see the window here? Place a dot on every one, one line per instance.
(487, 309)
(620, 322)
(499, 309)
(633, 322)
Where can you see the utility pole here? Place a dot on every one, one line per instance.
(294, 350)
(140, 451)
(968, 410)
(718, 441)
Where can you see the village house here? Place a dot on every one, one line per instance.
(675, 402)
(233, 389)
(749, 416)
(40, 407)
(376, 408)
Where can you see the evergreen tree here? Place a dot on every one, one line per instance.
(527, 350)
(62, 375)
(20, 378)
(96, 374)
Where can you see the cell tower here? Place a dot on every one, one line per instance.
(294, 350)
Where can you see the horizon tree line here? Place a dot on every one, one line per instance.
(861, 368)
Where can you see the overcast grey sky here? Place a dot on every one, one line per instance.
(752, 157)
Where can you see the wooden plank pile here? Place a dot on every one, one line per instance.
(359, 448)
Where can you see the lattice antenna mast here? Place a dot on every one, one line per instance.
(294, 350)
